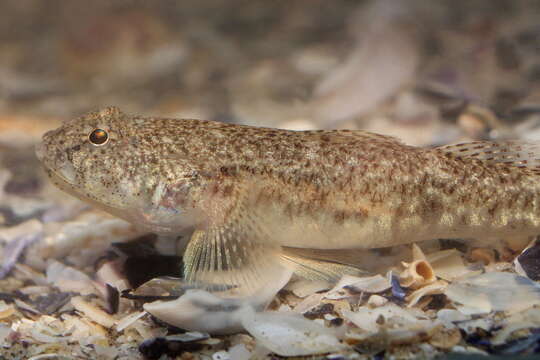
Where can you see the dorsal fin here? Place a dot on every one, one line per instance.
(517, 153)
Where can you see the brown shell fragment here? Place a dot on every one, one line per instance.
(486, 256)
(446, 338)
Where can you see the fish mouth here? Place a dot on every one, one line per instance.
(62, 182)
(56, 163)
(71, 188)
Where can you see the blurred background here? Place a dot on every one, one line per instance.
(429, 72)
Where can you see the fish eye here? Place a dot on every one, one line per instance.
(98, 137)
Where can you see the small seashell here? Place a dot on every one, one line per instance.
(417, 274)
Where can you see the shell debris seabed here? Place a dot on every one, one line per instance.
(449, 303)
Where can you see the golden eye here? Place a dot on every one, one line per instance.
(98, 137)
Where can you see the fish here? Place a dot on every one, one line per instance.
(261, 204)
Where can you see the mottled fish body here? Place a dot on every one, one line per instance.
(252, 195)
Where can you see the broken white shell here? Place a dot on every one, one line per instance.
(371, 319)
(6, 310)
(199, 310)
(448, 264)
(370, 284)
(289, 334)
(128, 320)
(303, 288)
(4, 333)
(527, 319)
(93, 312)
(434, 288)
(67, 278)
(493, 291)
(449, 316)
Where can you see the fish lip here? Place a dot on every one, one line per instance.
(70, 188)
(56, 177)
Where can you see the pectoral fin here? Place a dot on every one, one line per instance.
(240, 258)
(234, 256)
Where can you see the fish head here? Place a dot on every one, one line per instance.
(88, 157)
(115, 162)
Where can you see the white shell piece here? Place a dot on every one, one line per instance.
(239, 352)
(221, 355)
(493, 291)
(303, 288)
(370, 284)
(376, 301)
(67, 278)
(449, 316)
(4, 333)
(435, 288)
(32, 226)
(368, 319)
(448, 264)
(289, 334)
(93, 312)
(128, 320)
(200, 310)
